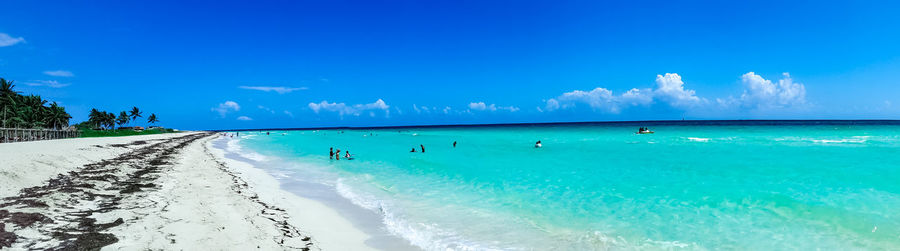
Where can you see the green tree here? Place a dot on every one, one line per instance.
(152, 119)
(95, 117)
(135, 113)
(29, 111)
(122, 119)
(58, 116)
(109, 119)
(6, 88)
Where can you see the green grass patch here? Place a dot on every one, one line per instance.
(87, 133)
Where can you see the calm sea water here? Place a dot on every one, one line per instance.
(691, 185)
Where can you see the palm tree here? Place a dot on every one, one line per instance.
(109, 119)
(8, 105)
(58, 116)
(6, 88)
(96, 117)
(29, 111)
(152, 119)
(135, 113)
(35, 111)
(123, 119)
(7, 98)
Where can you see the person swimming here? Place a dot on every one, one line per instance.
(537, 144)
(413, 150)
(347, 155)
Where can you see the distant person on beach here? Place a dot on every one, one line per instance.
(538, 144)
(423, 148)
(331, 153)
(454, 143)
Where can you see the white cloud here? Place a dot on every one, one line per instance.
(355, 110)
(421, 109)
(637, 97)
(290, 114)
(59, 73)
(278, 89)
(266, 109)
(481, 106)
(446, 110)
(226, 107)
(598, 99)
(760, 93)
(47, 83)
(7, 40)
(244, 118)
(670, 88)
(552, 104)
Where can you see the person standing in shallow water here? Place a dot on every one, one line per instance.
(331, 153)
(337, 154)
(423, 148)
(454, 143)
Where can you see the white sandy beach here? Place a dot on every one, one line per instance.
(172, 192)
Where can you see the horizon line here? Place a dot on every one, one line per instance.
(548, 123)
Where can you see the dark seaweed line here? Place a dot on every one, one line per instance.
(63, 225)
(273, 213)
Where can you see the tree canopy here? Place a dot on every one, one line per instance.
(19, 111)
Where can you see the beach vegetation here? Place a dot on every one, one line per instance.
(135, 113)
(32, 111)
(123, 119)
(122, 132)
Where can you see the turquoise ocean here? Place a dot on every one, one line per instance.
(692, 185)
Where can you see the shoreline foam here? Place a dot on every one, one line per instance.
(333, 221)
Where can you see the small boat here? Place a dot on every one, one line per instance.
(645, 132)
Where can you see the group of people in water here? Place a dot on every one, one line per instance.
(336, 155)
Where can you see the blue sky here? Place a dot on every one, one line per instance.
(219, 64)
